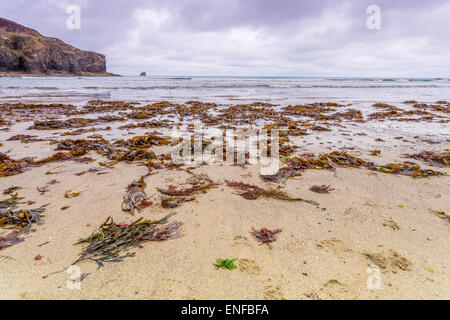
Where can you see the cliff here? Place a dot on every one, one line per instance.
(24, 51)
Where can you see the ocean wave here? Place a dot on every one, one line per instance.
(46, 88)
(371, 86)
(352, 79)
(236, 86)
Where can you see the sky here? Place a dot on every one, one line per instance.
(318, 38)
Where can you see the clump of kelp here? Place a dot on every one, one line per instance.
(253, 192)
(265, 236)
(197, 183)
(110, 241)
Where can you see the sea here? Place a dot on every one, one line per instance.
(223, 90)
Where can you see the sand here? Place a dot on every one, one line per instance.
(323, 252)
(320, 253)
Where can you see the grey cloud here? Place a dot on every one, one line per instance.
(289, 37)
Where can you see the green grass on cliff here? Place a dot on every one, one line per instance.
(15, 52)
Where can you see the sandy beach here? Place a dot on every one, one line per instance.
(327, 247)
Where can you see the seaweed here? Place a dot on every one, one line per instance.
(99, 171)
(11, 189)
(253, 192)
(134, 149)
(391, 224)
(10, 239)
(432, 158)
(173, 196)
(25, 138)
(375, 153)
(61, 124)
(53, 181)
(21, 219)
(168, 232)
(335, 159)
(226, 264)
(43, 190)
(321, 189)
(282, 175)
(71, 194)
(441, 214)
(409, 169)
(10, 167)
(173, 202)
(10, 202)
(110, 240)
(265, 236)
(199, 183)
(135, 197)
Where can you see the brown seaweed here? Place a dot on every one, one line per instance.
(253, 192)
(135, 198)
(199, 184)
(173, 196)
(43, 190)
(10, 239)
(408, 168)
(10, 167)
(432, 158)
(10, 202)
(21, 219)
(321, 189)
(69, 194)
(441, 214)
(11, 189)
(173, 202)
(265, 236)
(25, 138)
(108, 243)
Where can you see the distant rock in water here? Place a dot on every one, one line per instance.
(143, 74)
(25, 51)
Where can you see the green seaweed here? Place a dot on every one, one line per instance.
(226, 264)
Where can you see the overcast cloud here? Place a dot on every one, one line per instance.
(252, 37)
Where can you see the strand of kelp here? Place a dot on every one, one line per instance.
(111, 241)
